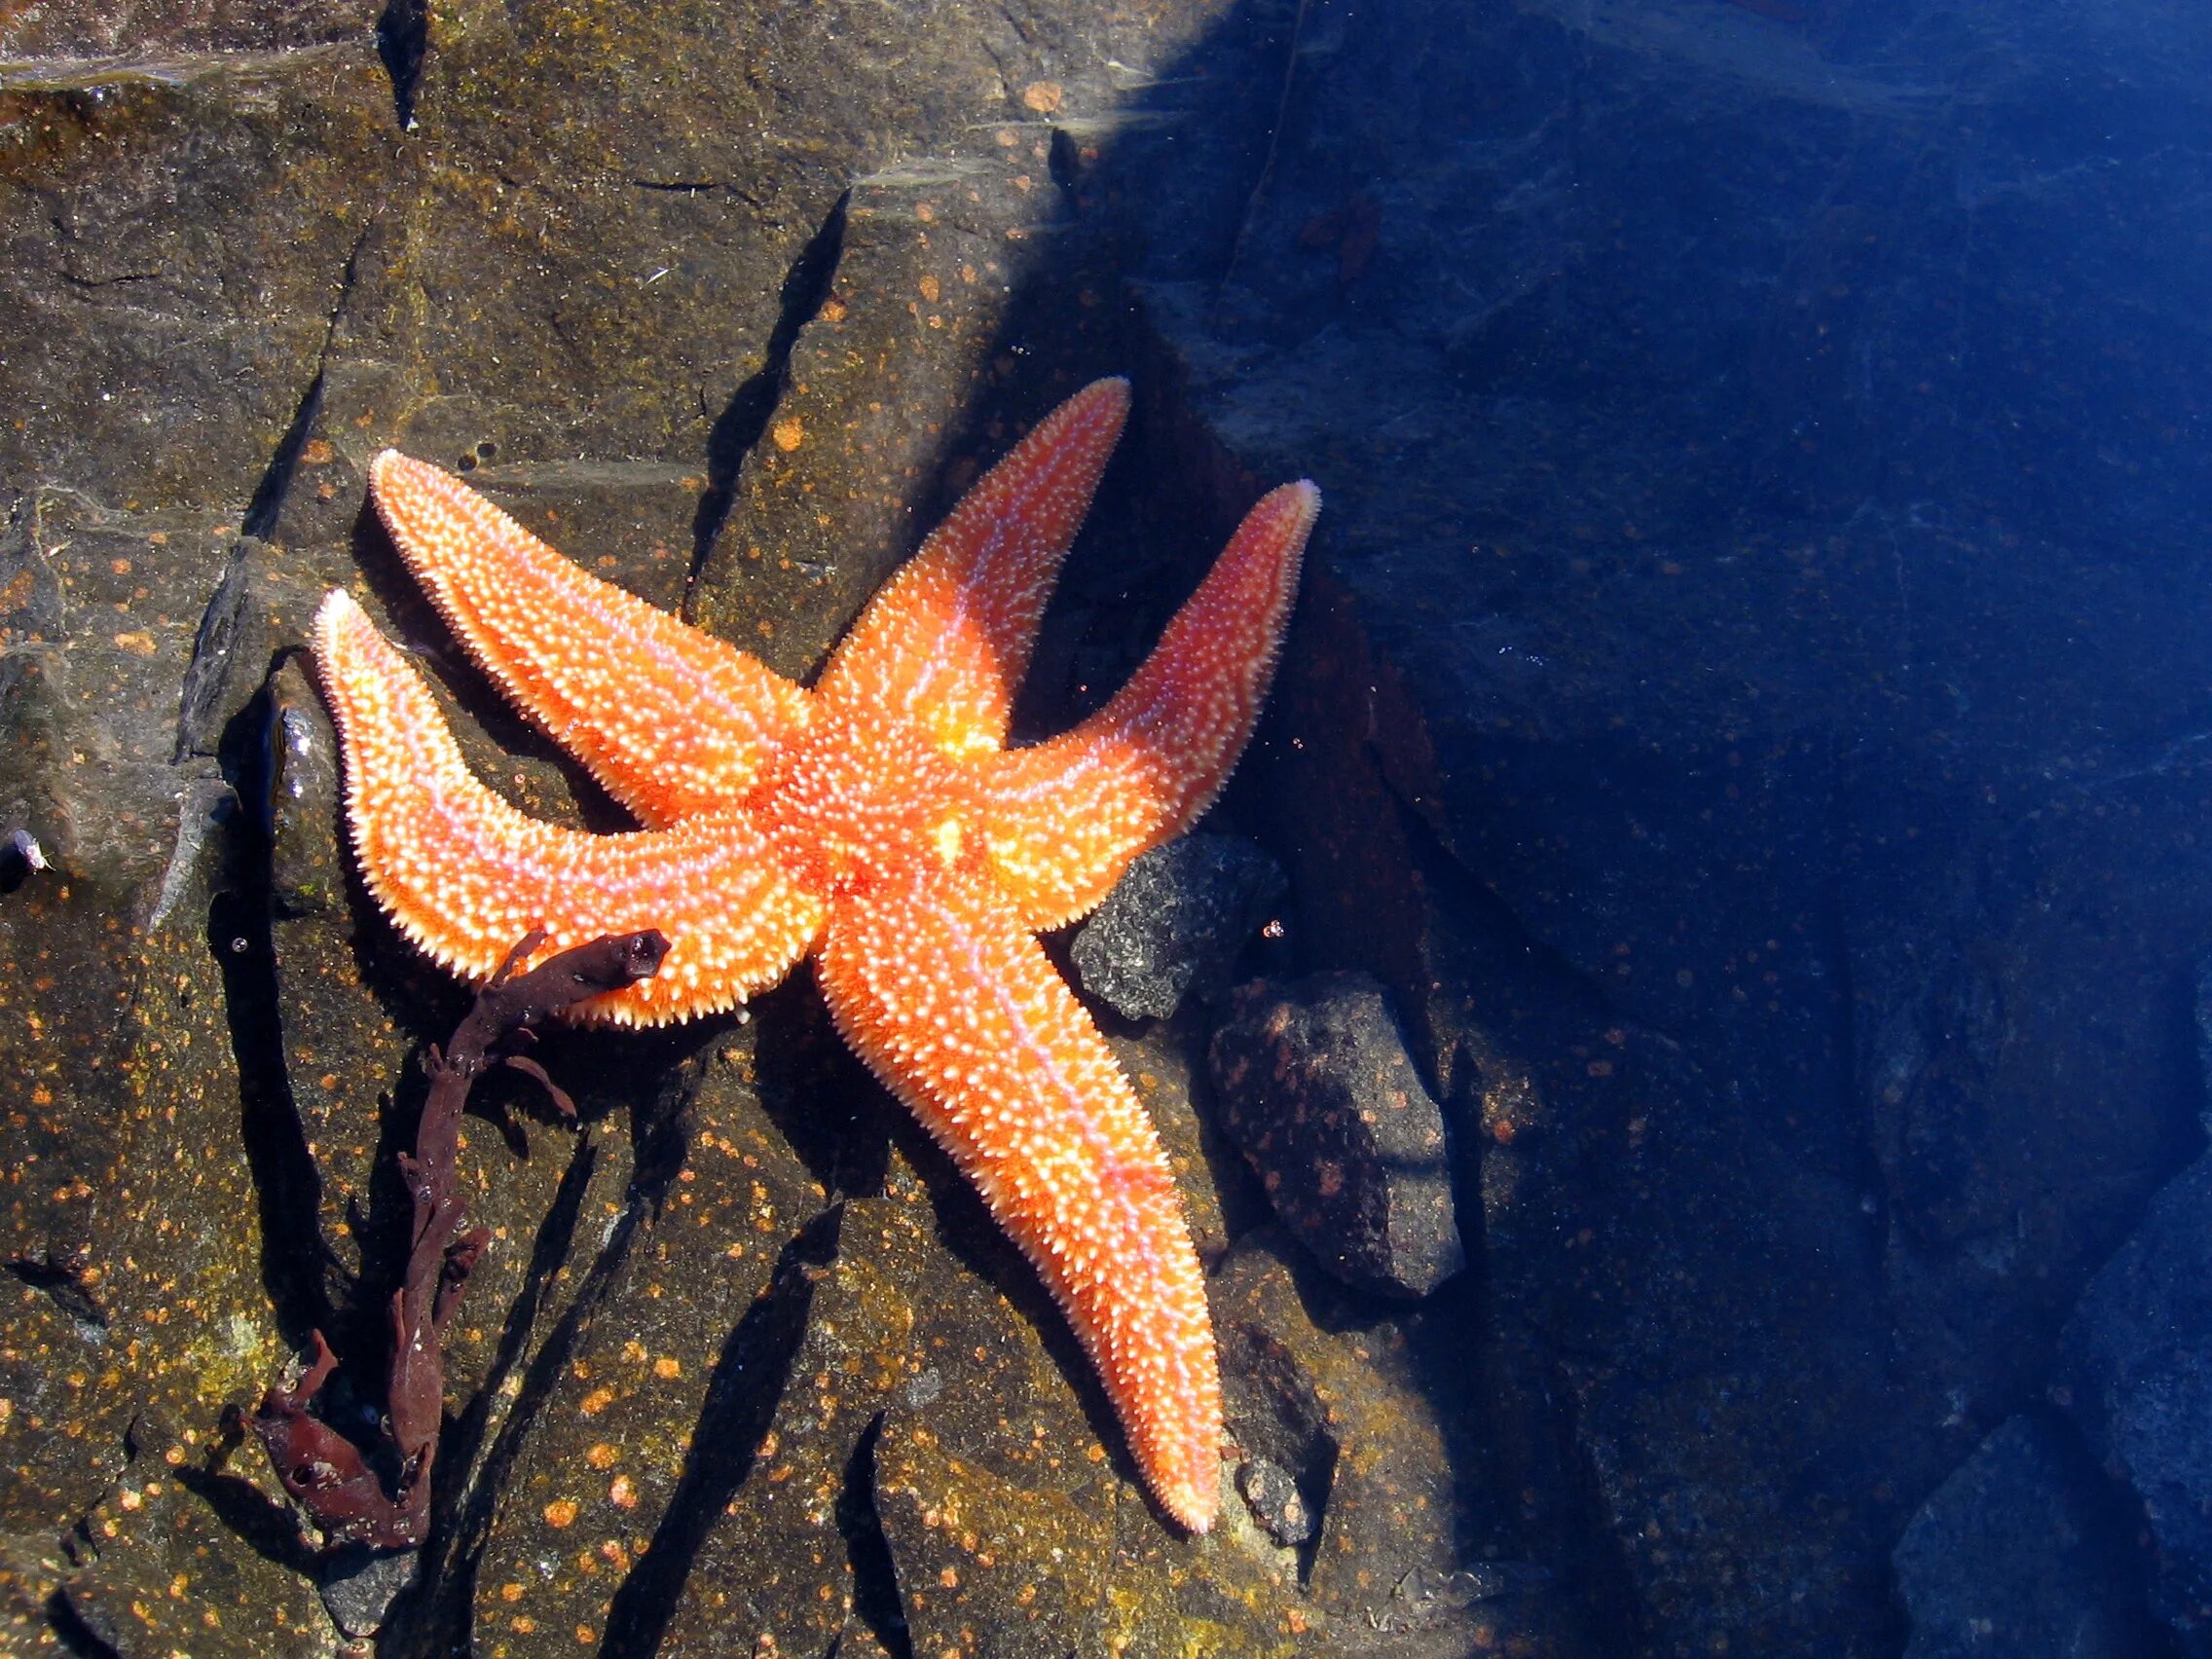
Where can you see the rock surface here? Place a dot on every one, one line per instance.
(1175, 925)
(1742, 710)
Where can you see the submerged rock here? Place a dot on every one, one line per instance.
(1316, 1088)
(1174, 924)
(2017, 1553)
(2136, 1363)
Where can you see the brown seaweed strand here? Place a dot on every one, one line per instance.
(325, 1472)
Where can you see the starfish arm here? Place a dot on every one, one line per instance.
(1064, 819)
(465, 874)
(960, 1013)
(671, 719)
(947, 640)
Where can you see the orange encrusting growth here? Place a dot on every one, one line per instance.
(874, 820)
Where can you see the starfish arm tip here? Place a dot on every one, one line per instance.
(1190, 1507)
(1302, 501)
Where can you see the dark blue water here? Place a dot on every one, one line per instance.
(1769, 486)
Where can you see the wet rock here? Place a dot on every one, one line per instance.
(781, 313)
(1341, 1405)
(1760, 757)
(169, 294)
(1015, 1523)
(2136, 1365)
(2019, 1553)
(979, 1545)
(604, 1461)
(136, 1308)
(1160, 1064)
(307, 874)
(804, 1539)
(166, 1571)
(94, 646)
(2203, 1014)
(1175, 923)
(177, 237)
(1316, 1088)
(152, 26)
(758, 1550)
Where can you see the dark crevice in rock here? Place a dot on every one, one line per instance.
(276, 478)
(207, 673)
(828, 1109)
(1265, 177)
(287, 1185)
(1546, 1003)
(268, 503)
(661, 1133)
(807, 286)
(463, 1512)
(94, 284)
(403, 40)
(1492, 934)
(748, 1378)
(70, 1630)
(2115, 1529)
(1604, 1580)
(1064, 164)
(1855, 1094)
(61, 1280)
(876, 1602)
(549, 1251)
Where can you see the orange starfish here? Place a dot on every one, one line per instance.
(877, 822)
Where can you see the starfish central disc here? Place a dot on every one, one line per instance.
(859, 804)
(876, 823)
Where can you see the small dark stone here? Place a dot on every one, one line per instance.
(1175, 924)
(1272, 1495)
(1318, 1090)
(359, 1586)
(23, 847)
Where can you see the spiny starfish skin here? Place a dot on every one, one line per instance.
(876, 823)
